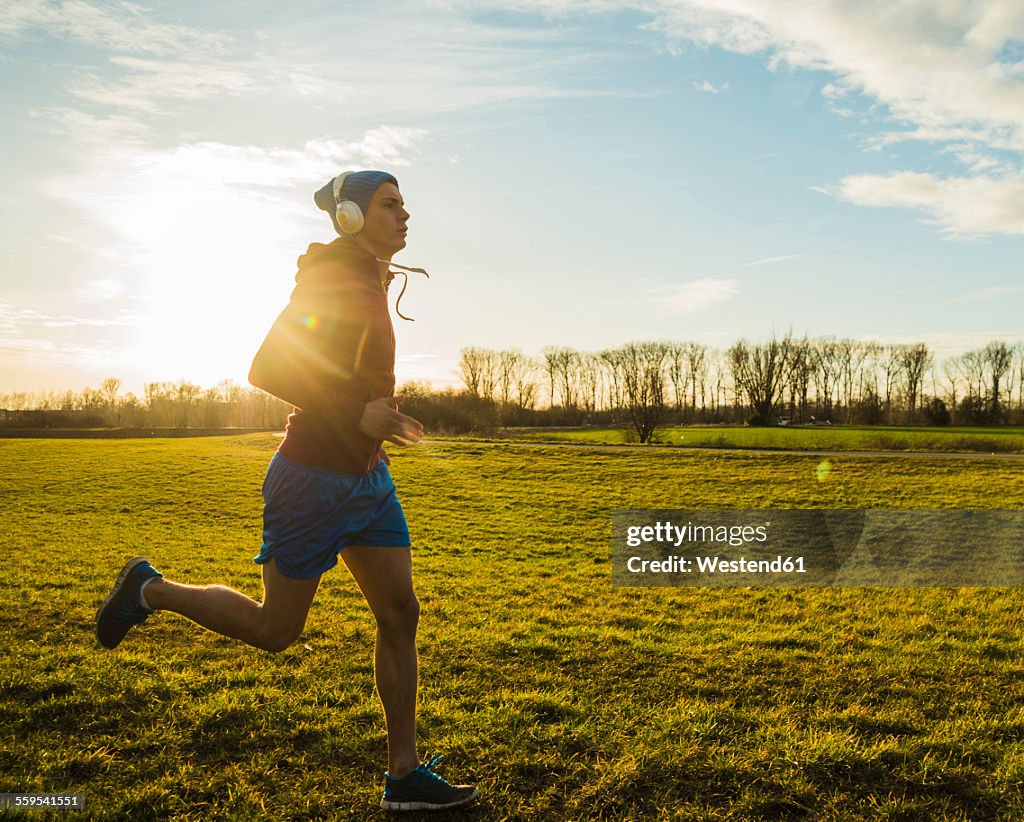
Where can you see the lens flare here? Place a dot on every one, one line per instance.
(311, 322)
(823, 470)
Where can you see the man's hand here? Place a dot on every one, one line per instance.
(382, 421)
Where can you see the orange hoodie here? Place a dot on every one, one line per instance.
(331, 351)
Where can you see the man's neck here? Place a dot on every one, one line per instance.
(383, 259)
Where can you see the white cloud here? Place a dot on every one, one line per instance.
(83, 128)
(385, 145)
(14, 319)
(149, 62)
(694, 296)
(944, 71)
(145, 84)
(948, 72)
(49, 350)
(978, 162)
(708, 88)
(210, 164)
(770, 260)
(154, 67)
(117, 27)
(936, 66)
(960, 206)
(308, 84)
(441, 57)
(33, 337)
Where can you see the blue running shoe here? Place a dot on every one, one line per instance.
(122, 609)
(424, 790)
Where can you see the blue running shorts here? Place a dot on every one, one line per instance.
(310, 514)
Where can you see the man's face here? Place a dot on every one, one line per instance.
(384, 224)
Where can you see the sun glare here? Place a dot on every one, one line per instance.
(213, 266)
(205, 257)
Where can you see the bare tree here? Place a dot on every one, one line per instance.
(231, 391)
(678, 375)
(550, 358)
(998, 356)
(801, 366)
(513, 382)
(759, 372)
(526, 388)
(719, 381)
(851, 355)
(1019, 348)
(18, 401)
(825, 372)
(616, 392)
(186, 397)
(565, 373)
(568, 372)
(891, 369)
(951, 369)
(974, 407)
(973, 365)
(109, 388)
(212, 408)
(477, 370)
(867, 383)
(697, 363)
(641, 369)
(509, 363)
(588, 376)
(913, 361)
(1011, 384)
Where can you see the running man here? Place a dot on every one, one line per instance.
(328, 491)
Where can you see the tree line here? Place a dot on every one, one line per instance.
(784, 379)
(640, 384)
(180, 404)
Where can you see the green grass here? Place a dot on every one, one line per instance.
(563, 697)
(995, 439)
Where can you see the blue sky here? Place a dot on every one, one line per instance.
(581, 174)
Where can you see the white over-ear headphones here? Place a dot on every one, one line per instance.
(348, 214)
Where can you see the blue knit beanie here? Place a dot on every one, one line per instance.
(358, 187)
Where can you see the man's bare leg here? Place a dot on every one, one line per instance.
(272, 625)
(384, 575)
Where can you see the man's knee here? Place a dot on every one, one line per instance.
(275, 638)
(399, 618)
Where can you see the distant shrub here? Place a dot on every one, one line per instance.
(448, 412)
(937, 413)
(868, 411)
(974, 411)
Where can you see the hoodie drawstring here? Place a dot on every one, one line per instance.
(405, 284)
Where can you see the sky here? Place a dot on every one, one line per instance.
(579, 174)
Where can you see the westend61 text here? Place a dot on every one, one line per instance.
(715, 565)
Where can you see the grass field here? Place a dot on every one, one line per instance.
(992, 439)
(563, 697)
